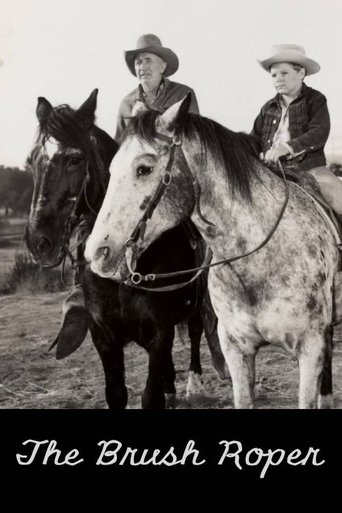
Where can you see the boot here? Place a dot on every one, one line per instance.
(75, 324)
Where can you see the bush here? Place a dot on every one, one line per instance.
(27, 276)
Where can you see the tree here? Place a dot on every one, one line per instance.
(16, 188)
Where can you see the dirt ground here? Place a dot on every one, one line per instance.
(31, 377)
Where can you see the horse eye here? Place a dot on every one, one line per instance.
(75, 161)
(144, 170)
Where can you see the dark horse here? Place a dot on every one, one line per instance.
(70, 163)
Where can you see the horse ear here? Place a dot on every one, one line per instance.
(43, 110)
(88, 108)
(174, 114)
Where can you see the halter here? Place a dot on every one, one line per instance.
(138, 233)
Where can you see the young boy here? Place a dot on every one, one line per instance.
(295, 123)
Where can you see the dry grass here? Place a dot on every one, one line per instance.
(26, 277)
(30, 377)
(11, 243)
(18, 273)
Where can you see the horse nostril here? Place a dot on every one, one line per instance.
(102, 252)
(43, 245)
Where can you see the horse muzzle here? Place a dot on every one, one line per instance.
(104, 262)
(40, 246)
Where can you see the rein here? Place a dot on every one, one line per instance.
(138, 233)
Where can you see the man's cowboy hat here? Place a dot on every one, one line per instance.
(290, 53)
(152, 44)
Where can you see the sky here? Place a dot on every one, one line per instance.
(63, 49)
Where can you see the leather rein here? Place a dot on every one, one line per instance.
(131, 244)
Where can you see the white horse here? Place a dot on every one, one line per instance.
(280, 291)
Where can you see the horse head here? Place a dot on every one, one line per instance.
(69, 163)
(142, 199)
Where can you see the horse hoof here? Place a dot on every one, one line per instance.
(325, 402)
(194, 388)
(170, 401)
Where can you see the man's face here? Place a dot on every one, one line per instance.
(286, 79)
(149, 68)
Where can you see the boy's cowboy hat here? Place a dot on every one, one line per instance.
(290, 53)
(152, 44)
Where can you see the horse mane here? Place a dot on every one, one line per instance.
(236, 152)
(70, 129)
(66, 126)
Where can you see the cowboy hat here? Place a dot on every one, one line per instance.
(151, 44)
(293, 54)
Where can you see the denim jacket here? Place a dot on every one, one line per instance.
(309, 126)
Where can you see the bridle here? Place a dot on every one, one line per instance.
(70, 223)
(132, 249)
(73, 219)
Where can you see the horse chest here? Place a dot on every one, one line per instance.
(232, 308)
(256, 313)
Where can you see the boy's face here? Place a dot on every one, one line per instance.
(286, 79)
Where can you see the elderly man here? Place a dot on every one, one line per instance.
(151, 63)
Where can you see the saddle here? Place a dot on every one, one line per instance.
(309, 184)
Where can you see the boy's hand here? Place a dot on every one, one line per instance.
(274, 154)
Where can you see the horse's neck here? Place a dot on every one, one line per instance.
(238, 222)
(94, 196)
(101, 156)
(100, 174)
(108, 145)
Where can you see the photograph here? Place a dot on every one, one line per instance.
(171, 233)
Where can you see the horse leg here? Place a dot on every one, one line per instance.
(160, 368)
(169, 383)
(325, 400)
(241, 367)
(194, 389)
(112, 356)
(311, 363)
(209, 320)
